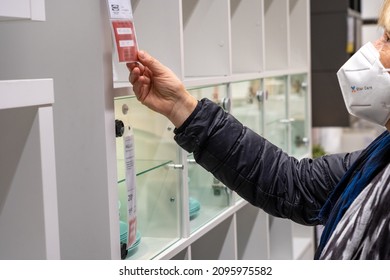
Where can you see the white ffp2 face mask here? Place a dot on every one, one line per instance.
(365, 85)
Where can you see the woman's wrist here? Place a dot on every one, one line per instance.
(183, 109)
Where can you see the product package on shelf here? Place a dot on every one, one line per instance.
(123, 30)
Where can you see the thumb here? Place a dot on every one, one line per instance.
(147, 60)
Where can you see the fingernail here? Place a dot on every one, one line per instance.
(141, 54)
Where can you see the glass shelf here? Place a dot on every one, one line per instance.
(141, 167)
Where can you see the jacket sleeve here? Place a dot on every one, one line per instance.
(256, 169)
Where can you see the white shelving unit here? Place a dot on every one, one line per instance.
(221, 42)
(28, 189)
(208, 44)
(29, 226)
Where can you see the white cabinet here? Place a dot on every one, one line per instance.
(22, 9)
(256, 54)
(28, 189)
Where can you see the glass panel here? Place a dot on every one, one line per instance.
(208, 197)
(275, 117)
(158, 211)
(247, 103)
(157, 184)
(298, 115)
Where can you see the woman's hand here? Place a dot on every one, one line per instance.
(158, 88)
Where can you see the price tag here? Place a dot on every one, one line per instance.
(123, 30)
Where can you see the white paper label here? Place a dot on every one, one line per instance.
(131, 187)
(120, 9)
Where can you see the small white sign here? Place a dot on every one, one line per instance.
(120, 9)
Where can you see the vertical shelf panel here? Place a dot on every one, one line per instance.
(206, 38)
(217, 244)
(276, 34)
(252, 234)
(28, 195)
(247, 33)
(299, 33)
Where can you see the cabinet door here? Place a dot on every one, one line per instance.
(247, 101)
(298, 114)
(208, 196)
(275, 112)
(157, 182)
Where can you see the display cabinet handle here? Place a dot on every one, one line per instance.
(176, 166)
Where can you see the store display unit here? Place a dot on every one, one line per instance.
(262, 79)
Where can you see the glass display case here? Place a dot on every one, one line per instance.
(275, 115)
(208, 197)
(157, 182)
(298, 114)
(247, 103)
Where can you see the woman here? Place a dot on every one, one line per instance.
(348, 193)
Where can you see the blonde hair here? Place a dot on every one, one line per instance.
(384, 16)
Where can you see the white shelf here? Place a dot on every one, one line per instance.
(22, 10)
(24, 93)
